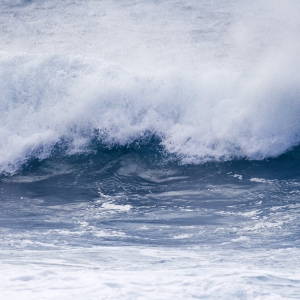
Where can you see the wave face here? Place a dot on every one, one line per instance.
(211, 81)
(149, 148)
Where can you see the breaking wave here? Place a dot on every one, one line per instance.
(232, 92)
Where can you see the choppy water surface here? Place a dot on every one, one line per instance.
(131, 223)
(149, 149)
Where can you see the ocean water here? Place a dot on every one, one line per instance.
(149, 149)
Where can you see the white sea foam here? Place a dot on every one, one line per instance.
(111, 206)
(123, 272)
(260, 180)
(213, 81)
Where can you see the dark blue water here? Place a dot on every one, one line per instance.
(126, 188)
(149, 149)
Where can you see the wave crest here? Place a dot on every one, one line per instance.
(198, 116)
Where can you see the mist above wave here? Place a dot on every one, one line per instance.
(211, 81)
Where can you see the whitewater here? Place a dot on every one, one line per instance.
(149, 149)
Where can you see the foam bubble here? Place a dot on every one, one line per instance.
(208, 81)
